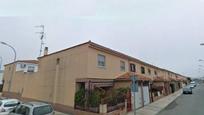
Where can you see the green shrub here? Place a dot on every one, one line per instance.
(94, 98)
(122, 91)
(80, 97)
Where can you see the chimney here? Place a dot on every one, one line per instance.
(46, 51)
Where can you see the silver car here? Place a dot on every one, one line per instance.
(7, 105)
(187, 90)
(33, 108)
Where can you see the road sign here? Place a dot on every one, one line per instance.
(134, 89)
(134, 85)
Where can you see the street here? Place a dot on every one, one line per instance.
(187, 104)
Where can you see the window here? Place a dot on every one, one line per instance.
(0, 103)
(101, 60)
(149, 71)
(122, 66)
(22, 110)
(142, 70)
(155, 72)
(42, 110)
(31, 69)
(23, 66)
(132, 67)
(11, 104)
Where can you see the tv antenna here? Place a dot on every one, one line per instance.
(42, 37)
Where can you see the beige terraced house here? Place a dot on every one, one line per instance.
(56, 77)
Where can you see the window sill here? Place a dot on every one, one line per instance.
(101, 67)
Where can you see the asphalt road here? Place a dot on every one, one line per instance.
(187, 104)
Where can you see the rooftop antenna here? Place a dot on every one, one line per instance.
(42, 37)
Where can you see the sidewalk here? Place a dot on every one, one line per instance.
(59, 113)
(155, 107)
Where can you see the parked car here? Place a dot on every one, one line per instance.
(187, 90)
(33, 108)
(193, 84)
(7, 105)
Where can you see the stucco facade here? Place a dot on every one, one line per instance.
(55, 80)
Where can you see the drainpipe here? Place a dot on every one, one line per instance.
(142, 93)
(55, 83)
(150, 92)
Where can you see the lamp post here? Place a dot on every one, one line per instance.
(12, 71)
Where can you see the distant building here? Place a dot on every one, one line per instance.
(27, 66)
(1, 77)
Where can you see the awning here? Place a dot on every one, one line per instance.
(91, 83)
(104, 84)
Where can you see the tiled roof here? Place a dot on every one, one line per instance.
(127, 75)
(172, 78)
(25, 61)
(181, 79)
(161, 78)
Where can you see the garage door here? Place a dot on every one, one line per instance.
(138, 99)
(146, 95)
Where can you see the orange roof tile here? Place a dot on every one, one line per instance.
(172, 79)
(181, 79)
(127, 75)
(160, 78)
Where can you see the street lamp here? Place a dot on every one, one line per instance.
(10, 81)
(1, 62)
(11, 48)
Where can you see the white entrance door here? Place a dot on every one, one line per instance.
(146, 95)
(138, 98)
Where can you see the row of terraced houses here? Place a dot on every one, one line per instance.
(83, 78)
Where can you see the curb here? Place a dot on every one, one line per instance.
(157, 106)
(177, 95)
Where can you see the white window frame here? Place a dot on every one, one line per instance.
(31, 70)
(100, 62)
(22, 66)
(133, 68)
(122, 66)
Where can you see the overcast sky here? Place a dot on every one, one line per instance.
(166, 33)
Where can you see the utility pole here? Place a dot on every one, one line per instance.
(42, 37)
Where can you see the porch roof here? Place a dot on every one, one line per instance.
(173, 79)
(95, 80)
(127, 75)
(161, 79)
(91, 83)
(181, 79)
